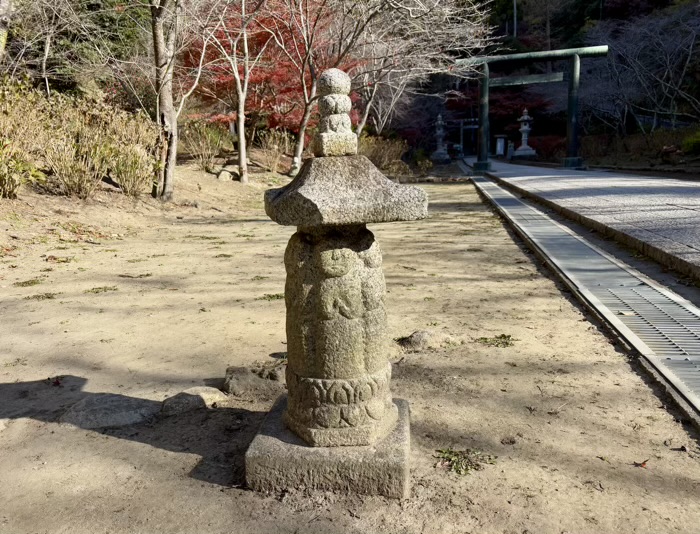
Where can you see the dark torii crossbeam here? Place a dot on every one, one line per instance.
(572, 159)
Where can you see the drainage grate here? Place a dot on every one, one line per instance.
(662, 326)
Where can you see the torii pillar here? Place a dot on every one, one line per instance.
(572, 159)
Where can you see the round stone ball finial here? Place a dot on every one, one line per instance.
(334, 82)
(335, 136)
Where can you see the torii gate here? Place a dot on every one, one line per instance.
(572, 159)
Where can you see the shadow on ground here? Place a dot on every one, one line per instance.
(219, 435)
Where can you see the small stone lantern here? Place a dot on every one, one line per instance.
(524, 150)
(339, 427)
(440, 155)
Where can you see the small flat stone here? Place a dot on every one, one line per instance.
(244, 381)
(425, 339)
(192, 399)
(100, 410)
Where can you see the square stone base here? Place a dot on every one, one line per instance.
(572, 163)
(482, 166)
(277, 459)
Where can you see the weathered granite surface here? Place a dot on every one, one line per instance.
(335, 137)
(192, 399)
(341, 191)
(110, 410)
(339, 187)
(440, 156)
(278, 459)
(337, 374)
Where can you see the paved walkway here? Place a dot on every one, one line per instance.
(663, 327)
(660, 217)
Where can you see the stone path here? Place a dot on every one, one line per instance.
(660, 217)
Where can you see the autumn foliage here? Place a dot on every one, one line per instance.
(277, 84)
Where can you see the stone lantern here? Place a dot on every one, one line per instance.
(338, 428)
(524, 150)
(440, 155)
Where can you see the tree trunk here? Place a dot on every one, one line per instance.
(299, 146)
(44, 60)
(159, 176)
(308, 109)
(164, 26)
(368, 107)
(242, 142)
(363, 121)
(548, 30)
(5, 14)
(170, 163)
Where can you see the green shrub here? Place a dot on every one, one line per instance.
(398, 168)
(203, 141)
(98, 141)
(273, 145)
(133, 169)
(134, 163)
(79, 140)
(691, 144)
(424, 166)
(79, 165)
(11, 175)
(15, 170)
(382, 152)
(134, 130)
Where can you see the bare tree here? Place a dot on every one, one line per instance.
(231, 33)
(167, 35)
(652, 83)
(378, 41)
(315, 35)
(406, 45)
(69, 41)
(540, 13)
(34, 52)
(382, 100)
(166, 21)
(173, 30)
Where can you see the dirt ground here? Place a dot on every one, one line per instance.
(145, 300)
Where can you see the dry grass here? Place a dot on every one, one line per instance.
(78, 141)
